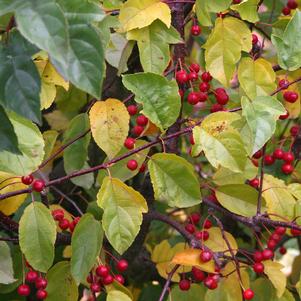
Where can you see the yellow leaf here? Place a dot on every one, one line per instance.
(295, 190)
(12, 204)
(109, 125)
(256, 77)
(278, 198)
(115, 295)
(273, 270)
(57, 120)
(51, 76)
(47, 95)
(67, 253)
(191, 257)
(141, 13)
(223, 48)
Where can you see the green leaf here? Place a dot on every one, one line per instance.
(196, 292)
(86, 244)
(123, 208)
(31, 145)
(50, 140)
(160, 97)
(43, 24)
(17, 68)
(174, 180)
(239, 199)
(76, 155)
(115, 295)
(221, 143)
(153, 43)
(261, 115)
(288, 44)
(84, 62)
(61, 286)
(7, 6)
(223, 48)
(6, 264)
(257, 78)
(247, 10)
(37, 234)
(263, 290)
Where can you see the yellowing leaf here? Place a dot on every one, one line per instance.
(295, 190)
(115, 295)
(247, 10)
(256, 77)
(51, 76)
(191, 257)
(47, 95)
(109, 125)
(278, 198)
(273, 270)
(141, 13)
(223, 48)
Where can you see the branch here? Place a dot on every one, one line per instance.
(167, 283)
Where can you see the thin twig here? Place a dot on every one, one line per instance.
(168, 281)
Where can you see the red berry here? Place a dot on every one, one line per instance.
(278, 153)
(254, 182)
(286, 11)
(95, 287)
(132, 109)
(254, 39)
(257, 256)
(236, 1)
(122, 265)
(206, 77)
(23, 290)
(184, 285)
(288, 157)
(194, 217)
(190, 228)
(216, 108)
(284, 116)
(182, 77)
(142, 120)
(102, 271)
(58, 214)
(269, 160)
(275, 236)
(64, 224)
(267, 254)
(202, 96)
(221, 96)
(283, 83)
(196, 30)
(290, 96)
(280, 230)
(193, 98)
(207, 224)
(119, 278)
(193, 76)
(73, 224)
(191, 140)
(38, 185)
(27, 180)
(258, 267)
(142, 168)
(287, 168)
(129, 143)
(31, 276)
(295, 232)
(132, 164)
(137, 130)
(248, 294)
(258, 154)
(292, 4)
(294, 130)
(206, 256)
(198, 275)
(41, 294)
(282, 250)
(41, 283)
(194, 68)
(89, 278)
(272, 244)
(210, 283)
(202, 235)
(108, 280)
(204, 87)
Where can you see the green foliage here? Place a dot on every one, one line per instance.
(6, 265)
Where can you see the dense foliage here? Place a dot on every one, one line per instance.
(150, 150)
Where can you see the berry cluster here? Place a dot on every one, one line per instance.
(291, 4)
(59, 216)
(33, 279)
(289, 96)
(37, 184)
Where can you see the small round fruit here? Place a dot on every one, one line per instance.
(27, 180)
(195, 218)
(294, 130)
(193, 76)
(132, 109)
(58, 214)
(129, 143)
(282, 250)
(206, 256)
(122, 265)
(31, 276)
(254, 39)
(137, 130)
(257, 256)
(102, 271)
(184, 285)
(41, 283)
(38, 185)
(142, 168)
(216, 108)
(258, 154)
(204, 86)
(236, 1)
(272, 244)
(132, 165)
(95, 287)
(283, 83)
(108, 280)
(295, 232)
(286, 10)
(196, 30)
(290, 96)
(23, 290)
(287, 168)
(182, 77)
(254, 182)
(258, 267)
(198, 274)
(269, 160)
(292, 4)
(64, 224)
(194, 68)
(206, 77)
(202, 235)
(193, 98)
(278, 153)
(119, 278)
(210, 283)
(207, 224)
(248, 294)
(284, 116)
(288, 157)
(280, 230)
(142, 120)
(41, 294)
(190, 228)
(267, 254)
(275, 236)
(203, 96)
(221, 96)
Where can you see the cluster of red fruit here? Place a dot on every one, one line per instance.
(289, 96)
(37, 184)
(59, 216)
(291, 4)
(103, 277)
(193, 221)
(40, 283)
